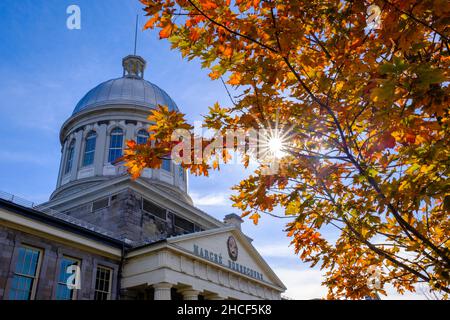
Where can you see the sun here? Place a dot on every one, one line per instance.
(272, 141)
(274, 144)
(276, 147)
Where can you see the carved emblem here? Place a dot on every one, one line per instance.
(232, 248)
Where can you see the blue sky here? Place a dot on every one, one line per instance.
(46, 69)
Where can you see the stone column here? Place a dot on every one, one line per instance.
(62, 163)
(76, 155)
(130, 132)
(100, 150)
(189, 294)
(162, 291)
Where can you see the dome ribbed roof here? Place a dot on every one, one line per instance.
(125, 90)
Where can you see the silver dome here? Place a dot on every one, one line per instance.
(125, 90)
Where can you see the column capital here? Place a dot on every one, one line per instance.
(214, 296)
(189, 294)
(162, 291)
(162, 285)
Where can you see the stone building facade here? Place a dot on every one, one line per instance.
(103, 235)
(10, 242)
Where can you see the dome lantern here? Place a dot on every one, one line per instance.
(133, 67)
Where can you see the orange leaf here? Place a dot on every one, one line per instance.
(214, 75)
(228, 52)
(255, 217)
(208, 5)
(410, 138)
(235, 79)
(151, 22)
(195, 35)
(166, 31)
(215, 164)
(131, 144)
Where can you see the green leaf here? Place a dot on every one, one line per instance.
(372, 172)
(427, 76)
(383, 93)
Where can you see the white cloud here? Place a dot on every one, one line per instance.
(215, 199)
(307, 284)
(280, 250)
(392, 294)
(302, 284)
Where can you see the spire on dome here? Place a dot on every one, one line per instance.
(134, 65)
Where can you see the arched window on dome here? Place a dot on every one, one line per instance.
(89, 148)
(166, 165)
(69, 159)
(142, 136)
(115, 144)
(181, 172)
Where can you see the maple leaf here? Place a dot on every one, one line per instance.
(235, 79)
(214, 75)
(151, 22)
(208, 5)
(195, 35)
(255, 217)
(166, 31)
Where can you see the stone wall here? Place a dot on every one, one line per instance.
(125, 218)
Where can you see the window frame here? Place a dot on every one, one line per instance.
(110, 147)
(109, 292)
(100, 199)
(181, 172)
(179, 218)
(170, 165)
(152, 213)
(92, 134)
(140, 134)
(74, 291)
(35, 278)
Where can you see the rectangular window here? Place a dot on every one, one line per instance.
(100, 204)
(154, 209)
(103, 283)
(26, 274)
(166, 165)
(63, 292)
(184, 224)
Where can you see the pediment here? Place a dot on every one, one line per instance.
(230, 248)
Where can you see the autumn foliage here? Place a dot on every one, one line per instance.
(369, 152)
